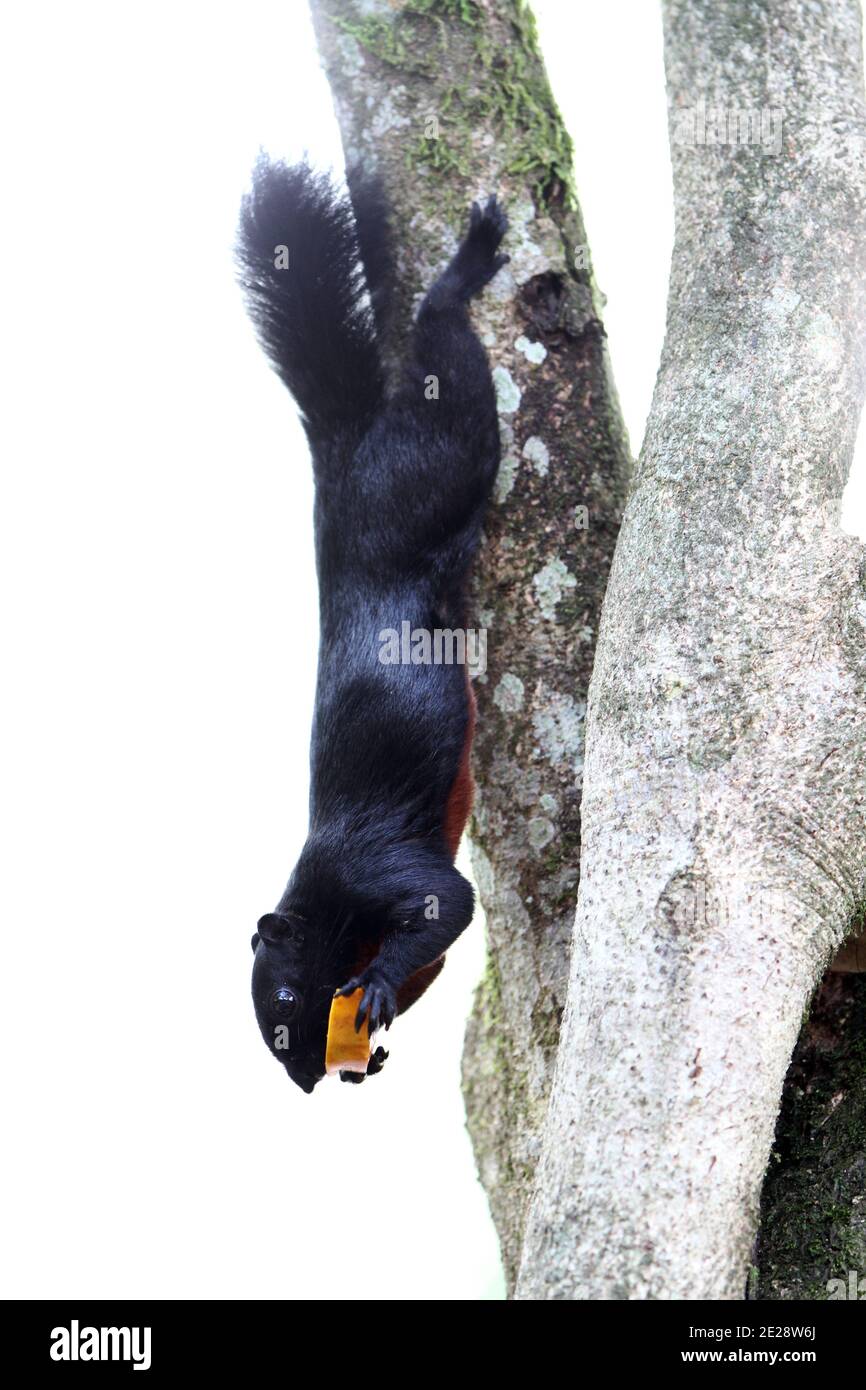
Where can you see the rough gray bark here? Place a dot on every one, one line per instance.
(724, 835)
(448, 100)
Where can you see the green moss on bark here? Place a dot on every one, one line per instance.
(502, 85)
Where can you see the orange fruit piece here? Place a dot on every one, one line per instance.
(345, 1049)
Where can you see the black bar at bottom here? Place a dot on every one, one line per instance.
(292, 1340)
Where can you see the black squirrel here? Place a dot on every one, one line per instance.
(402, 482)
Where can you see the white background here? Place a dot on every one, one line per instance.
(159, 642)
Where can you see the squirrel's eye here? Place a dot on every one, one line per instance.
(284, 1001)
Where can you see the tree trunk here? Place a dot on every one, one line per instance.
(448, 100)
(724, 834)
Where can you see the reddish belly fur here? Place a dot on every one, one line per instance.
(459, 802)
(457, 809)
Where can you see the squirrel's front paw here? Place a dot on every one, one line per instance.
(378, 1001)
(377, 1061)
(374, 1066)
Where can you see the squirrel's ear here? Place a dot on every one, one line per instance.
(272, 927)
(280, 926)
(255, 939)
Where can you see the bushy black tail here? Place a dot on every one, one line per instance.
(312, 315)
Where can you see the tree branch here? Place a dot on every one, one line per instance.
(449, 100)
(724, 837)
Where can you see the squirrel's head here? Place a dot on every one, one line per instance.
(291, 1004)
